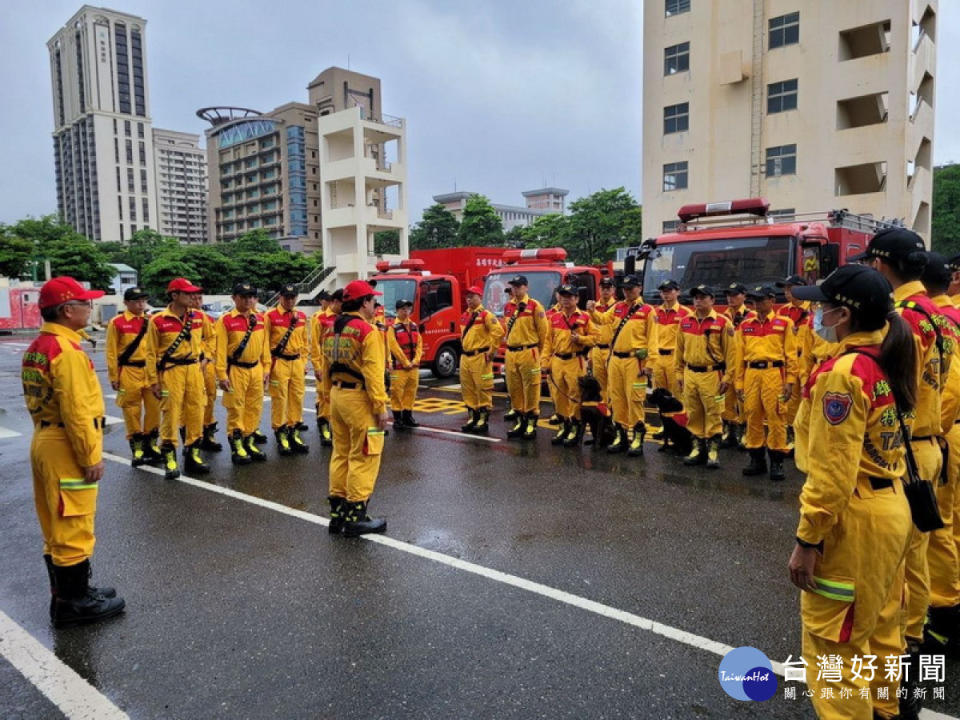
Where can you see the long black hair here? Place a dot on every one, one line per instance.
(897, 358)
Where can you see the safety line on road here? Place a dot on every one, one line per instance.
(58, 682)
(8, 433)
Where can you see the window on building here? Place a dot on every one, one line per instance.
(129, 152)
(118, 179)
(139, 130)
(782, 96)
(675, 7)
(143, 154)
(131, 188)
(783, 214)
(781, 160)
(116, 150)
(143, 181)
(676, 58)
(120, 207)
(133, 209)
(126, 128)
(146, 211)
(676, 118)
(784, 30)
(675, 176)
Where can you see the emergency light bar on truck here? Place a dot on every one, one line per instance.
(749, 206)
(534, 256)
(412, 266)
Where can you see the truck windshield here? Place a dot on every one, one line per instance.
(393, 290)
(542, 286)
(750, 261)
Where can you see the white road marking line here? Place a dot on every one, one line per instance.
(423, 428)
(75, 697)
(7, 433)
(111, 420)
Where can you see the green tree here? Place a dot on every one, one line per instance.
(480, 225)
(144, 247)
(210, 267)
(69, 252)
(386, 242)
(551, 230)
(945, 223)
(15, 254)
(436, 229)
(600, 223)
(515, 237)
(161, 270)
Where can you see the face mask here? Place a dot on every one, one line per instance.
(828, 333)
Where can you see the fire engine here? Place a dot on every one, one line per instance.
(737, 241)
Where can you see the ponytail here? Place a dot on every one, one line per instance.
(898, 360)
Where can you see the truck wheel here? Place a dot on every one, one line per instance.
(445, 363)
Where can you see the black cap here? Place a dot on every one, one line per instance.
(763, 291)
(401, 303)
(954, 262)
(855, 286)
(134, 293)
(735, 288)
(790, 281)
(289, 290)
(518, 280)
(244, 289)
(508, 289)
(630, 281)
(669, 285)
(607, 282)
(892, 244)
(938, 273)
(324, 295)
(702, 290)
(337, 295)
(567, 289)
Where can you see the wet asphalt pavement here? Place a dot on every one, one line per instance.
(240, 610)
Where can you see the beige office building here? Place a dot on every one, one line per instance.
(813, 104)
(181, 167)
(263, 168)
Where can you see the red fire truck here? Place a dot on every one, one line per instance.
(720, 243)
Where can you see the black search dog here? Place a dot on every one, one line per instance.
(592, 415)
(675, 435)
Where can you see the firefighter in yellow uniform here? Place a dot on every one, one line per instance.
(286, 329)
(855, 522)
(173, 351)
(62, 394)
(799, 314)
(354, 363)
(480, 337)
(765, 372)
(600, 352)
(525, 337)
(733, 422)
(243, 372)
(669, 316)
(633, 341)
(545, 368)
(126, 369)
(208, 335)
(569, 340)
(406, 348)
(954, 462)
(704, 364)
(321, 322)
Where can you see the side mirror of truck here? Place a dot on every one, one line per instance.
(583, 294)
(630, 265)
(829, 259)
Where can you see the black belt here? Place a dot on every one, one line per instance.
(607, 347)
(764, 364)
(922, 437)
(471, 353)
(517, 348)
(282, 356)
(181, 361)
(346, 385)
(246, 365)
(45, 424)
(566, 356)
(134, 363)
(880, 483)
(665, 352)
(623, 355)
(706, 368)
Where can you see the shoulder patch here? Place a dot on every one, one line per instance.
(836, 407)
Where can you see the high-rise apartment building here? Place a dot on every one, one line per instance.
(814, 105)
(103, 144)
(263, 168)
(181, 181)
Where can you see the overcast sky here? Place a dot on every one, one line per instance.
(500, 96)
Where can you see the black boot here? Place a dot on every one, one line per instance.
(510, 414)
(398, 423)
(941, 634)
(520, 425)
(636, 442)
(296, 442)
(193, 461)
(302, 426)
(250, 443)
(75, 600)
(776, 466)
(729, 438)
(562, 432)
(183, 434)
(52, 576)
(555, 419)
(359, 523)
(483, 422)
(713, 452)
(209, 441)
(283, 441)
(326, 433)
(620, 442)
(151, 446)
(258, 437)
(238, 450)
(530, 429)
(471, 424)
(740, 431)
(758, 462)
(575, 436)
(698, 455)
(138, 455)
(170, 469)
(338, 509)
(408, 419)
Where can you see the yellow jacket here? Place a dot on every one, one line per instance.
(560, 338)
(668, 325)
(706, 343)
(121, 331)
(231, 328)
(604, 330)
(356, 355)
(61, 386)
(484, 332)
(208, 336)
(950, 400)
(277, 323)
(815, 351)
(926, 420)
(164, 329)
(768, 339)
(846, 429)
(640, 331)
(402, 338)
(525, 327)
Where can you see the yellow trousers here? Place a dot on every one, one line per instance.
(598, 366)
(793, 404)
(244, 401)
(627, 388)
(476, 381)
(403, 388)
(942, 551)
(664, 374)
(732, 409)
(210, 388)
(702, 402)
(762, 390)
(182, 403)
(864, 549)
(65, 503)
(134, 398)
(357, 445)
(287, 388)
(929, 460)
(564, 379)
(523, 380)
